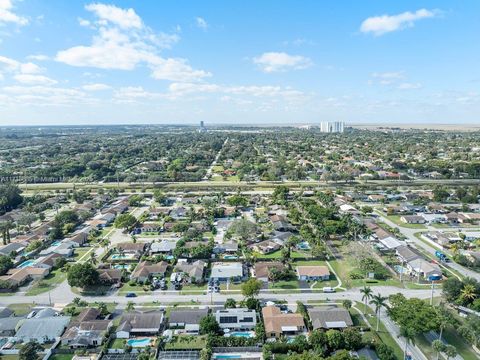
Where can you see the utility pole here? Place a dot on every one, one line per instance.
(433, 289)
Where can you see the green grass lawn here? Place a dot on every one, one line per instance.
(218, 169)
(186, 342)
(117, 344)
(464, 349)
(80, 252)
(48, 283)
(138, 289)
(285, 284)
(60, 357)
(21, 309)
(278, 255)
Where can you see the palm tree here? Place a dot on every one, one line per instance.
(93, 258)
(367, 295)
(455, 248)
(468, 293)
(444, 319)
(409, 335)
(438, 346)
(379, 301)
(130, 306)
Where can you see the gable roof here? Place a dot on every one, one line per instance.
(262, 268)
(313, 270)
(275, 321)
(140, 320)
(190, 316)
(329, 317)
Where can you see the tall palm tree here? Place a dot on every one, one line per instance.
(409, 335)
(444, 319)
(130, 306)
(379, 301)
(93, 258)
(468, 293)
(367, 295)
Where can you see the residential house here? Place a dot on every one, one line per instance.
(313, 273)
(236, 319)
(227, 247)
(43, 329)
(136, 323)
(165, 246)
(227, 271)
(262, 269)
(178, 213)
(187, 319)
(194, 271)
(9, 325)
(146, 271)
(406, 253)
(278, 324)
(266, 246)
(413, 219)
(14, 247)
(87, 330)
(110, 276)
(17, 277)
(137, 249)
(329, 318)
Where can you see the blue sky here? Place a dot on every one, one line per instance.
(239, 62)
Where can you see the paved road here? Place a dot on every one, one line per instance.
(410, 235)
(62, 294)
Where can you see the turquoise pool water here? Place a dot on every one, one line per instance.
(139, 342)
(245, 334)
(230, 257)
(169, 257)
(26, 264)
(228, 356)
(56, 243)
(121, 267)
(303, 245)
(119, 257)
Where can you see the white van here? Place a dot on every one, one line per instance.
(328, 290)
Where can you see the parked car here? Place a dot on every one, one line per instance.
(131, 295)
(328, 289)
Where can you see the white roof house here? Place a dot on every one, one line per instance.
(390, 242)
(43, 329)
(226, 271)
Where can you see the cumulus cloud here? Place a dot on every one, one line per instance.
(379, 25)
(96, 87)
(409, 86)
(125, 18)
(8, 16)
(31, 79)
(279, 61)
(201, 23)
(124, 42)
(387, 78)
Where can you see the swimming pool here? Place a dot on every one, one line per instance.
(245, 334)
(26, 264)
(139, 342)
(56, 243)
(121, 257)
(230, 257)
(126, 267)
(304, 245)
(234, 356)
(169, 257)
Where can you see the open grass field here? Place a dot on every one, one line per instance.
(48, 283)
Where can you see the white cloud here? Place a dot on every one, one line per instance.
(8, 16)
(30, 68)
(8, 64)
(123, 42)
(409, 86)
(38, 57)
(125, 18)
(45, 95)
(176, 70)
(201, 23)
(83, 22)
(379, 25)
(31, 79)
(96, 87)
(387, 78)
(280, 61)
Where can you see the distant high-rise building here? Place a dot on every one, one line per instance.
(332, 126)
(202, 127)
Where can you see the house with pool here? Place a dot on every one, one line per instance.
(231, 271)
(236, 319)
(137, 324)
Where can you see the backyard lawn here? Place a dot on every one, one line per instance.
(48, 283)
(187, 342)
